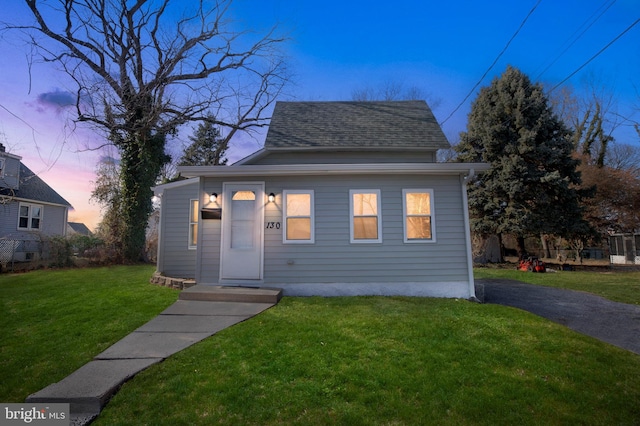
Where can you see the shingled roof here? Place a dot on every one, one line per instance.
(34, 188)
(346, 125)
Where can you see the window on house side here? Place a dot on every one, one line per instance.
(29, 217)
(365, 212)
(193, 224)
(418, 215)
(298, 216)
(1, 168)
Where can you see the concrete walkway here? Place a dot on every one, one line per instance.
(612, 322)
(183, 324)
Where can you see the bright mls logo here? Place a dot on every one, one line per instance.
(36, 414)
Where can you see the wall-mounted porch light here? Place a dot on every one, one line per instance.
(213, 197)
(272, 197)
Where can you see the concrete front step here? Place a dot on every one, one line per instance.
(232, 294)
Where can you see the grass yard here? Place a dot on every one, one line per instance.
(377, 360)
(54, 322)
(617, 286)
(317, 361)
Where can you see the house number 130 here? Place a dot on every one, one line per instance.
(273, 225)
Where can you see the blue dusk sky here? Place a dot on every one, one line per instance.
(443, 49)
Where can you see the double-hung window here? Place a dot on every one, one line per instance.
(298, 217)
(366, 216)
(418, 215)
(30, 217)
(193, 223)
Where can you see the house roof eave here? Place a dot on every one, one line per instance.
(33, 201)
(328, 169)
(158, 189)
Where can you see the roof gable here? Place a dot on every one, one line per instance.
(354, 125)
(79, 228)
(33, 188)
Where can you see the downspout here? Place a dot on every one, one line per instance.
(467, 232)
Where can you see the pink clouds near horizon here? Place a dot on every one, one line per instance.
(75, 184)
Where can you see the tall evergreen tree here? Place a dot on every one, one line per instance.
(530, 188)
(208, 147)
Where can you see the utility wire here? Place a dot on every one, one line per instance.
(578, 36)
(493, 64)
(596, 55)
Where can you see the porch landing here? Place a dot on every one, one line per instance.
(231, 294)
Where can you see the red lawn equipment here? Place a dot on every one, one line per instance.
(532, 264)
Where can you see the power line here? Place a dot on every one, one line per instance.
(596, 55)
(579, 35)
(492, 65)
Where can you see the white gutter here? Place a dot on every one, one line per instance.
(326, 169)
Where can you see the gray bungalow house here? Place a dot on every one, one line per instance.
(30, 210)
(345, 198)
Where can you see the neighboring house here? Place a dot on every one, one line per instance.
(345, 198)
(77, 228)
(624, 249)
(30, 210)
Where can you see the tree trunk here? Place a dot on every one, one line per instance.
(545, 246)
(520, 247)
(141, 164)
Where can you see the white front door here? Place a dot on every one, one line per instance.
(242, 235)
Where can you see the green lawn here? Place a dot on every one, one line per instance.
(313, 361)
(53, 322)
(617, 286)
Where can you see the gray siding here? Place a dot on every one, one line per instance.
(174, 256)
(8, 219)
(333, 259)
(359, 157)
(54, 221)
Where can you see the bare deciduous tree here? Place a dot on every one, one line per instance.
(624, 157)
(391, 90)
(142, 72)
(591, 117)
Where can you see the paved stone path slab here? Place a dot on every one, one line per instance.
(189, 324)
(183, 324)
(151, 345)
(193, 307)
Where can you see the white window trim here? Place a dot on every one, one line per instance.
(190, 244)
(351, 216)
(432, 215)
(28, 227)
(312, 216)
(2, 166)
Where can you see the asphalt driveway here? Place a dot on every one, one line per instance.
(612, 322)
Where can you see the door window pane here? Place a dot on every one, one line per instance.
(193, 223)
(243, 196)
(242, 219)
(242, 234)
